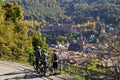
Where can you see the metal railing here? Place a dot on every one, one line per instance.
(83, 72)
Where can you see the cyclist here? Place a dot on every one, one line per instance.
(37, 56)
(55, 58)
(44, 62)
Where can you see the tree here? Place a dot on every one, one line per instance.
(13, 12)
(38, 40)
(15, 44)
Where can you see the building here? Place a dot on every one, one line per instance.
(77, 46)
(58, 28)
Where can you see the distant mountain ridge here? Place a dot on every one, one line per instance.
(68, 11)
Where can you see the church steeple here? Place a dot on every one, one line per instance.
(80, 42)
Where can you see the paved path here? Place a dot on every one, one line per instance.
(15, 71)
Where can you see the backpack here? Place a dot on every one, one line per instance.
(55, 57)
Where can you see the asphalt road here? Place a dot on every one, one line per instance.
(15, 71)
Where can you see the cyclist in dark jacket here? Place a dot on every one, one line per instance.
(55, 62)
(37, 56)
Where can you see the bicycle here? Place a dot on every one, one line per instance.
(42, 68)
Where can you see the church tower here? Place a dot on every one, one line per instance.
(80, 43)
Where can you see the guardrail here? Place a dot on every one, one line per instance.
(84, 72)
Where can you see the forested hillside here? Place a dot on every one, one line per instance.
(67, 11)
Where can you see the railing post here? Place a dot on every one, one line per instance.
(60, 66)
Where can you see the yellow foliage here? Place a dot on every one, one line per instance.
(88, 23)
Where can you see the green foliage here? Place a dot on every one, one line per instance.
(87, 70)
(1, 0)
(13, 12)
(38, 40)
(67, 11)
(15, 43)
(92, 64)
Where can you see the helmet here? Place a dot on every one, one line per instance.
(38, 47)
(44, 50)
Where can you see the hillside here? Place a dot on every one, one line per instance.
(41, 10)
(67, 11)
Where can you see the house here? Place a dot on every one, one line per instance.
(76, 46)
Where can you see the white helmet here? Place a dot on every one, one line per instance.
(38, 47)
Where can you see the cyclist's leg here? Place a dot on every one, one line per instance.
(41, 68)
(45, 68)
(34, 65)
(37, 64)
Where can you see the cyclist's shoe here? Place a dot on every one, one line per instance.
(37, 72)
(55, 74)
